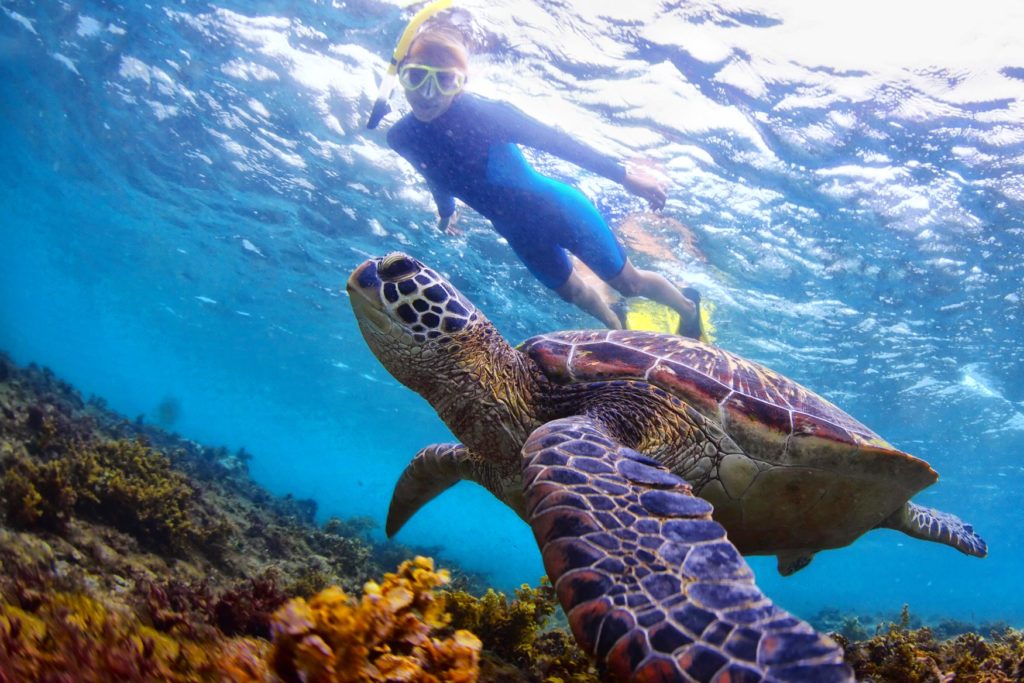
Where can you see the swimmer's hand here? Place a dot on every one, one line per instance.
(446, 224)
(645, 185)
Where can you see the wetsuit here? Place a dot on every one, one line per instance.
(470, 152)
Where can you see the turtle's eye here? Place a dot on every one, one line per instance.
(396, 266)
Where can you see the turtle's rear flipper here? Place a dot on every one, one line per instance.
(650, 583)
(792, 562)
(930, 524)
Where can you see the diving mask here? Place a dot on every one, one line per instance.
(446, 80)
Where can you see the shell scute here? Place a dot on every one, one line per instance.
(718, 384)
(551, 355)
(701, 390)
(603, 360)
(835, 430)
(769, 416)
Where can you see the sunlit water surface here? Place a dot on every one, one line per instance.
(186, 185)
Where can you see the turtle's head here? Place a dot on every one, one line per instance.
(409, 315)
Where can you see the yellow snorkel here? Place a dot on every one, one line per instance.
(381, 106)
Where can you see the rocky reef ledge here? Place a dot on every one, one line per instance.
(128, 553)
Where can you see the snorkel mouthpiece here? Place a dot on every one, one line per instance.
(381, 106)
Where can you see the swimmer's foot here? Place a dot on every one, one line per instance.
(620, 308)
(691, 328)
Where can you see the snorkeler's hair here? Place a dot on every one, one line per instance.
(445, 35)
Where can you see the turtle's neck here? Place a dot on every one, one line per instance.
(487, 397)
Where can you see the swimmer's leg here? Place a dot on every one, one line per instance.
(550, 264)
(633, 281)
(579, 293)
(585, 233)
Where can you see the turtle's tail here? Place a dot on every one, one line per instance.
(930, 524)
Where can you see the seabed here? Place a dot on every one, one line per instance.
(129, 553)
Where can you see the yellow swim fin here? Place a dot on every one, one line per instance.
(707, 327)
(650, 316)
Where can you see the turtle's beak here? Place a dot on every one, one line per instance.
(364, 292)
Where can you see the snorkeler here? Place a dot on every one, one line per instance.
(466, 147)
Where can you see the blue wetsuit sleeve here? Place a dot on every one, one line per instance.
(516, 126)
(398, 141)
(444, 200)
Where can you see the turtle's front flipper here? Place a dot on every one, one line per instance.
(651, 585)
(432, 471)
(438, 467)
(930, 524)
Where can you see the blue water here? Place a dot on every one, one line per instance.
(185, 186)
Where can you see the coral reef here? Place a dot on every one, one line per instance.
(901, 654)
(112, 497)
(245, 609)
(128, 553)
(508, 628)
(170, 536)
(514, 633)
(122, 483)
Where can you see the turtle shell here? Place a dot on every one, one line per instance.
(807, 452)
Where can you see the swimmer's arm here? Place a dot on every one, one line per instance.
(446, 211)
(528, 131)
(445, 201)
(645, 185)
(524, 129)
(446, 224)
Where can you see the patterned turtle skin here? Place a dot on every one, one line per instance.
(646, 465)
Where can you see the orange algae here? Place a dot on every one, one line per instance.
(73, 637)
(388, 635)
(393, 633)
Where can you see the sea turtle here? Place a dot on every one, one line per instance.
(631, 454)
